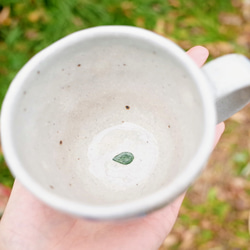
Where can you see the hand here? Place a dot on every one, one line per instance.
(31, 225)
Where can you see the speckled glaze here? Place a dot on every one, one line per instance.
(111, 89)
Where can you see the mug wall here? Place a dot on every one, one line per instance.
(75, 92)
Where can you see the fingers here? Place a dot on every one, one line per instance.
(219, 131)
(199, 54)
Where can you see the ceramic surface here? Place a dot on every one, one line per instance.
(100, 92)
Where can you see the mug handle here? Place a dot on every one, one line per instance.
(229, 76)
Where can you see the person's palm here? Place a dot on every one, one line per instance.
(31, 225)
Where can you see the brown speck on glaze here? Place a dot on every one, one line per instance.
(24, 92)
(24, 109)
(127, 107)
(168, 126)
(60, 142)
(124, 64)
(79, 65)
(38, 72)
(51, 186)
(70, 184)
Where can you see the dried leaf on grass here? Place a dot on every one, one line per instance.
(246, 9)
(230, 19)
(4, 15)
(220, 48)
(38, 15)
(32, 34)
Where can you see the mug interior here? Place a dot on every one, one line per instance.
(83, 101)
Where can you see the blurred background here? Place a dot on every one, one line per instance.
(215, 212)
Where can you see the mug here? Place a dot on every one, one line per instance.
(114, 122)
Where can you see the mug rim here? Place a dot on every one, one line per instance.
(137, 207)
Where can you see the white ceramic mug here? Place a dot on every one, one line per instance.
(109, 91)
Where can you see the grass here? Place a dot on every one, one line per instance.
(5, 175)
(30, 25)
